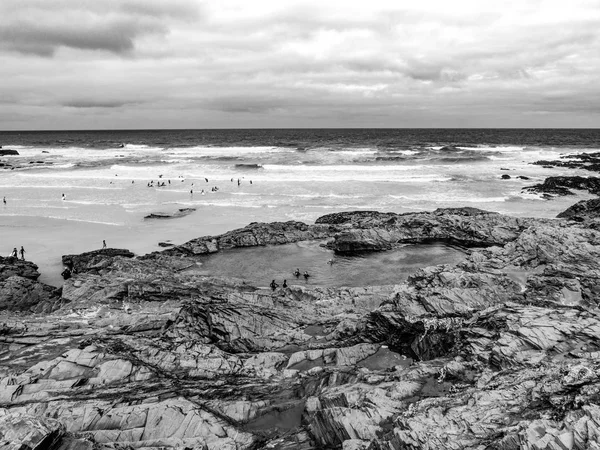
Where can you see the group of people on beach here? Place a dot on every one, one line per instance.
(15, 253)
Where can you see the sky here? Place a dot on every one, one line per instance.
(133, 64)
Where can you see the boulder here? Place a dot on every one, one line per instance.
(582, 210)
(8, 152)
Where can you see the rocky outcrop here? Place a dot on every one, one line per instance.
(497, 351)
(583, 210)
(563, 185)
(94, 260)
(253, 235)
(585, 161)
(468, 227)
(20, 290)
(7, 152)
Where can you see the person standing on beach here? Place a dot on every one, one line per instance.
(22, 251)
(103, 243)
(4, 200)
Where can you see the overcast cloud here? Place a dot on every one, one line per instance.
(73, 64)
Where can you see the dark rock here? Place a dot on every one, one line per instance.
(585, 209)
(179, 213)
(523, 177)
(94, 260)
(468, 227)
(20, 290)
(505, 177)
(7, 152)
(450, 148)
(248, 166)
(255, 234)
(23, 294)
(165, 244)
(562, 185)
(13, 266)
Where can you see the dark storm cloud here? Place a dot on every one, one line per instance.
(41, 27)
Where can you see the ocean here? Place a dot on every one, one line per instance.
(111, 180)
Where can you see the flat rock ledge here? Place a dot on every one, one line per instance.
(500, 351)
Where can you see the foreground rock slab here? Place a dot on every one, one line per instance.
(498, 351)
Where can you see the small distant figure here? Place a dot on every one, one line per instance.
(22, 251)
(132, 181)
(297, 273)
(64, 197)
(14, 253)
(206, 179)
(66, 273)
(160, 176)
(284, 284)
(273, 285)
(239, 182)
(169, 181)
(202, 192)
(331, 261)
(232, 180)
(306, 275)
(103, 243)
(4, 200)
(250, 181)
(191, 191)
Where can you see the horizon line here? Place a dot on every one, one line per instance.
(296, 128)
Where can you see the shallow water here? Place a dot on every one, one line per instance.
(260, 265)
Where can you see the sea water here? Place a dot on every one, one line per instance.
(110, 180)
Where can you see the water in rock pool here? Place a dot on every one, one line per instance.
(260, 265)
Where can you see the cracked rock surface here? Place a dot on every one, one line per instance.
(500, 351)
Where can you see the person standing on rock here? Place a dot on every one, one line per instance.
(22, 251)
(273, 285)
(284, 284)
(103, 243)
(14, 253)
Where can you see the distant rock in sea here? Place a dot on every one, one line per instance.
(248, 166)
(163, 215)
(8, 152)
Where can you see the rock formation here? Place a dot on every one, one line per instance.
(499, 351)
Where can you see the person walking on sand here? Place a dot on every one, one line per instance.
(103, 243)
(22, 251)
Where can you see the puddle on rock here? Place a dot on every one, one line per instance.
(383, 359)
(260, 265)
